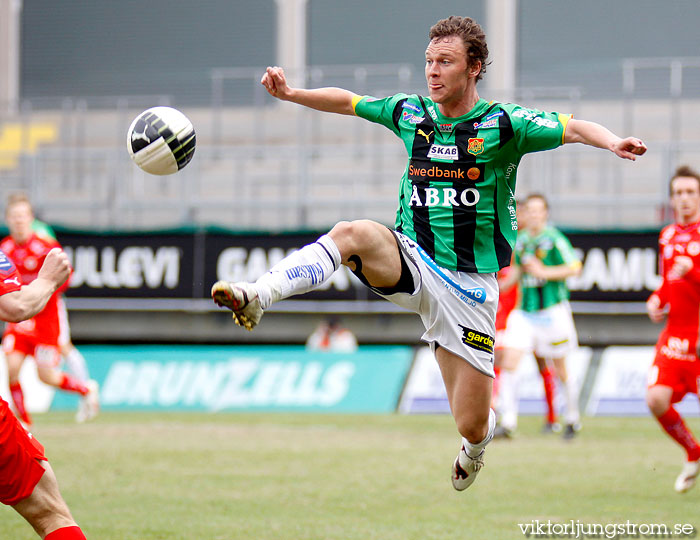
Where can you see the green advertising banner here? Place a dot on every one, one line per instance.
(244, 378)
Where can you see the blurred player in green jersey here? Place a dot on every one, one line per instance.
(543, 323)
(455, 224)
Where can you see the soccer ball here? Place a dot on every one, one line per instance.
(161, 140)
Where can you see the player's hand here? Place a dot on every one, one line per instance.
(533, 266)
(56, 267)
(275, 83)
(681, 266)
(629, 148)
(654, 310)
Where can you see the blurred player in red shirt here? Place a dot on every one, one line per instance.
(676, 367)
(38, 336)
(27, 481)
(74, 360)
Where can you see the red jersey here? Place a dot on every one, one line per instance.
(681, 294)
(28, 258)
(506, 299)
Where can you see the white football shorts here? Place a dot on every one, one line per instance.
(458, 309)
(548, 333)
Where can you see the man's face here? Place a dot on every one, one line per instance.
(446, 69)
(19, 218)
(536, 214)
(685, 199)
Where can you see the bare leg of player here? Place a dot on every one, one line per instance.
(469, 395)
(47, 512)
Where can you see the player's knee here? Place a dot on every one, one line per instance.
(45, 377)
(354, 237)
(13, 373)
(350, 233)
(657, 404)
(473, 428)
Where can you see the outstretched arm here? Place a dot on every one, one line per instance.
(559, 272)
(330, 99)
(592, 134)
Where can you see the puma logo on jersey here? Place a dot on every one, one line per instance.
(13, 280)
(424, 134)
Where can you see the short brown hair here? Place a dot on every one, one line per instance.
(686, 171)
(539, 196)
(472, 35)
(16, 198)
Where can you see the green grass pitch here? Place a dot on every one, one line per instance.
(147, 476)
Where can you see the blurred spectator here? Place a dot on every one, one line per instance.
(330, 335)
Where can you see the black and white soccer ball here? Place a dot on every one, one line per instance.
(161, 140)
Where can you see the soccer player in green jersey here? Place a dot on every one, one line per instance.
(543, 323)
(455, 224)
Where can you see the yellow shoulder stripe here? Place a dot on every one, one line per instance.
(355, 100)
(564, 119)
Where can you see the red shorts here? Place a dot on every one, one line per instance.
(679, 375)
(45, 354)
(19, 451)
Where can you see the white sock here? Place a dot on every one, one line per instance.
(508, 399)
(76, 364)
(300, 272)
(573, 416)
(473, 450)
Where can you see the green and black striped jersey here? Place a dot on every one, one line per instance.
(552, 248)
(457, 197)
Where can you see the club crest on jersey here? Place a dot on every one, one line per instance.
(475, 146)
(439, 151)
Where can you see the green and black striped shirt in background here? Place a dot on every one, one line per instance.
(552, 248)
